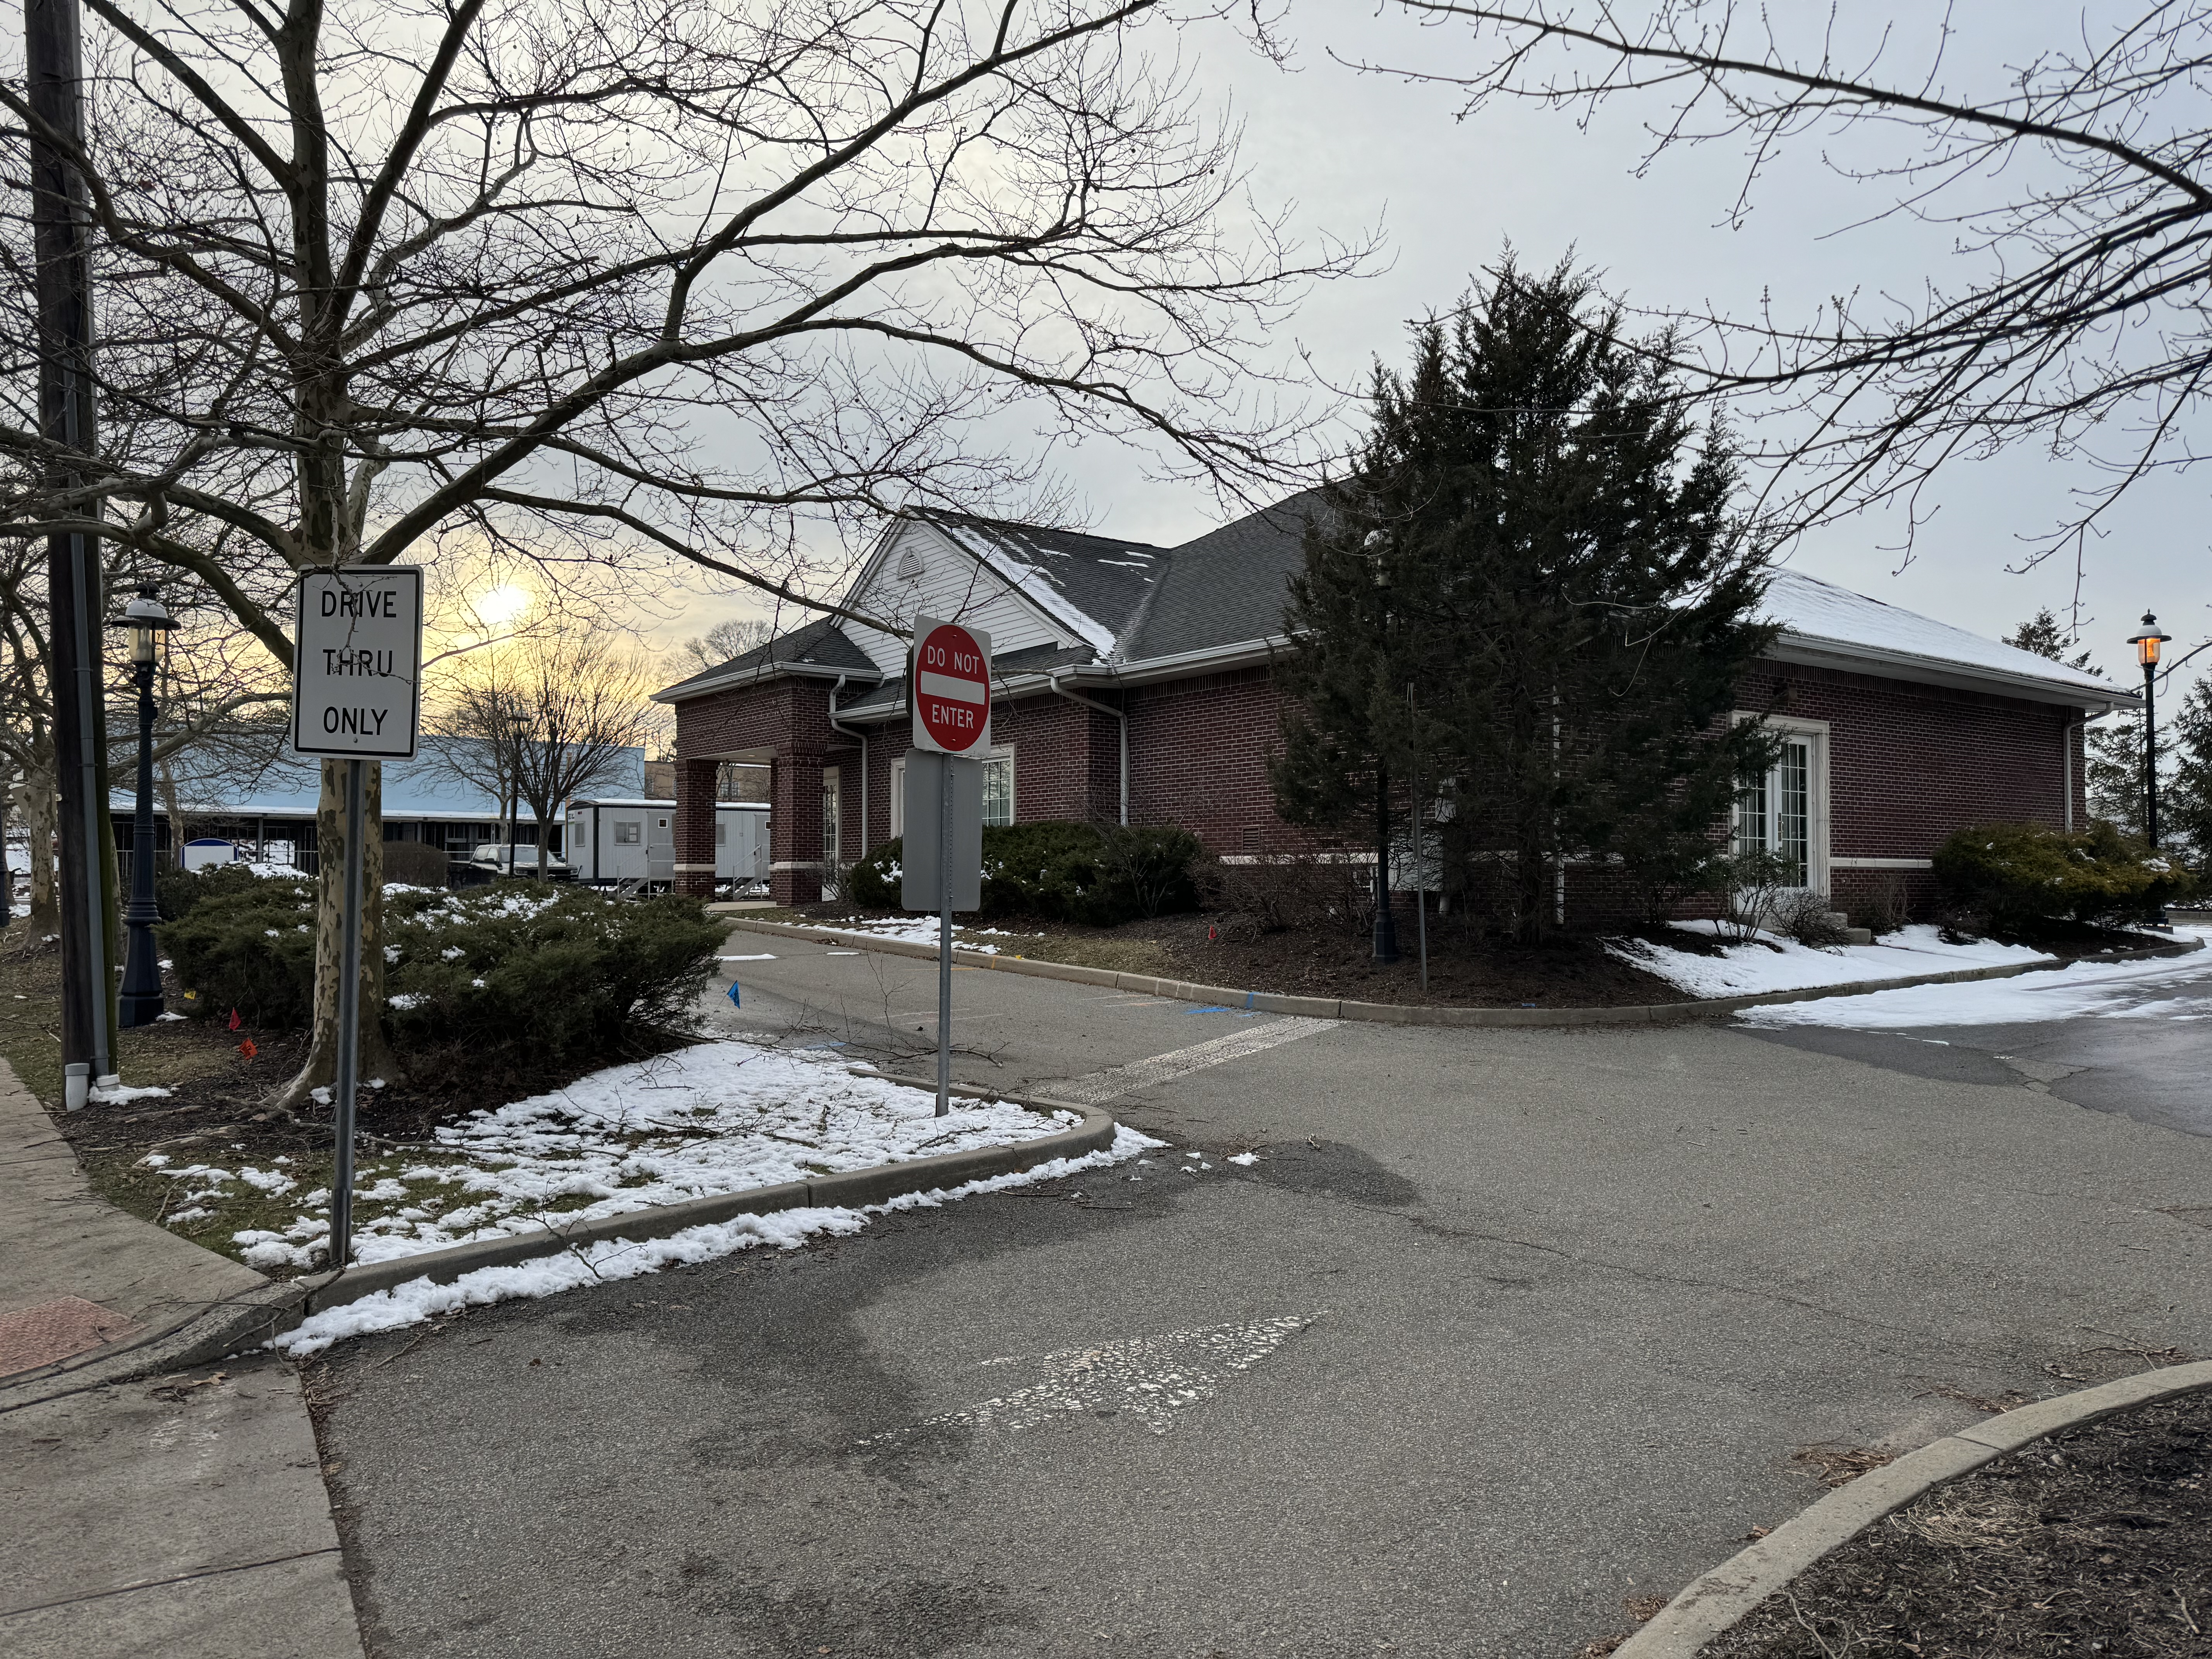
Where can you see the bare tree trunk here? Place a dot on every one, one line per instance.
(377, 1060)
(41, 800)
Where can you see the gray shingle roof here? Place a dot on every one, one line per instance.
(1227, 586)
(1106, 577)
(820, 644)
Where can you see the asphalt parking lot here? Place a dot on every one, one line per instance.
(1497, 1330)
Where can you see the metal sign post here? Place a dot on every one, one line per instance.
(356, 696)
(949, 688)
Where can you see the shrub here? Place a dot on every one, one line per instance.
(872, 884)
(1298, 890)
(1807, 917)
(243, 941)
(519, 978)
(1751, 885)
(424, 864)
(1060, 871)
(2018, 875)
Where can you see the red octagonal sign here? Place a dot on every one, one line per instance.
(952, 688)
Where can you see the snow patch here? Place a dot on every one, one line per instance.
(1775, 963)
(614, 1259)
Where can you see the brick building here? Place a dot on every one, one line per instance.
(1134, 684)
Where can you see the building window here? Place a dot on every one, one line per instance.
(626, 833)
(721, 835)
(998, 788)
(1783, 810)
(998, 791)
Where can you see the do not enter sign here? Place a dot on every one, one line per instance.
(951, 683)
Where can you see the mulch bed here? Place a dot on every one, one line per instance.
(2097, 1540)
(1466, 968)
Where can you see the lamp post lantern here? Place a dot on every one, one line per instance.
(2146, 643)
(140, 1003)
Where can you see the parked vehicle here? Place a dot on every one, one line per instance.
(491, 860)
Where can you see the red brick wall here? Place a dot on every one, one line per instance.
(1198, 756)
(791, 719)
(1908, 765)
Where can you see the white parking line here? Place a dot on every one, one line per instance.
(1100, 1087)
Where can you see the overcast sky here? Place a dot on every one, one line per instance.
(1351, 149)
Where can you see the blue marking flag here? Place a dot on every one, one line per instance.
(735, 1003)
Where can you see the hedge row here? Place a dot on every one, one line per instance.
(511, 978)
(2017, 875)
(1094, 875)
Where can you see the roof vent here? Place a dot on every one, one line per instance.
(909, 565)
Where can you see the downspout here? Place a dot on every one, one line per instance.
(1053, 680)
(2066, 767)
(853, 731)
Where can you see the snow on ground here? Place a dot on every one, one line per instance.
(719, 1117)
(419, 1299)
(2162, 988)
(922, 930)
(716, 1118)
(1774, 963)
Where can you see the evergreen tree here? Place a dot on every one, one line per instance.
(2111, 750)
(2042, 635)
(2185, 801)
(1540, 541)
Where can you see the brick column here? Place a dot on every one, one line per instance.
(795, 827)
(695, 826)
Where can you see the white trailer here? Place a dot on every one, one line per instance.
(611, 840)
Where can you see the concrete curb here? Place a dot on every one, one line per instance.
(288, 1302)
(1408, 1013)
(1717, 1601)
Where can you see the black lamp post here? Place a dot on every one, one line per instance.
(2147, 644)
(141, 1002)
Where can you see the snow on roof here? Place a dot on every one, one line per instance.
(1818, 612)
(1030, 582)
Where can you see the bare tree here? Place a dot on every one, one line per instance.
(687, 281)
(2078, 187)
(555, 716)
(726, 640)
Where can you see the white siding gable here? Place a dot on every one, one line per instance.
(943, 581)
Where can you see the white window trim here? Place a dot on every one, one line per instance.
(1816, 807)
(898, 788)
(1006, 753)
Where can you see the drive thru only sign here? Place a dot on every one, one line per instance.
(357, 663)
(952, 688)
(356, 697)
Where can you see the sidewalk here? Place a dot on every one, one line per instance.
(183, 1517)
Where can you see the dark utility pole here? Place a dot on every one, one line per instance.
(54, 74)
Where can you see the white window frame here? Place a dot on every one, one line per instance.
(1013, 801)
(898, 789)
(636, 835)
(1815, 735)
